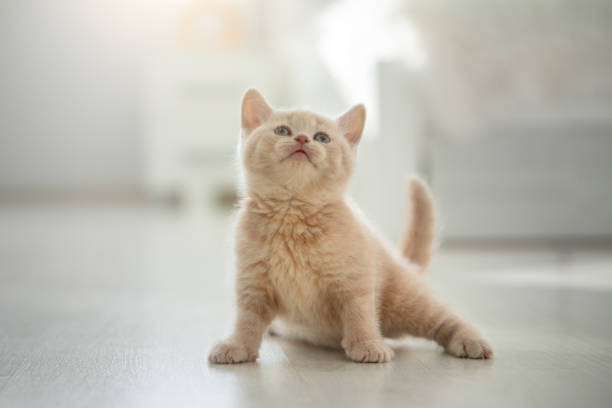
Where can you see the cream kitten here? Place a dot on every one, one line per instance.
(307, 258)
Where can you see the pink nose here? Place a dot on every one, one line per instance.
(301, 139)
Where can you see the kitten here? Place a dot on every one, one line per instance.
(306, 257)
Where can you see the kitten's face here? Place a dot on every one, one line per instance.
(297, 151)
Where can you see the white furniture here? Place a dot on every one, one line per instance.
(536, 174)
(193, 121)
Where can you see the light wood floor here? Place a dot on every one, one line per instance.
(119, 307)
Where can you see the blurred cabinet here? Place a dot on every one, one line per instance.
(193, 121)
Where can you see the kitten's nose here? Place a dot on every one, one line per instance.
(301, 139)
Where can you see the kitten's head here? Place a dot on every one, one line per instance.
(297, 153)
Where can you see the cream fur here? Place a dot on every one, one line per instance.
(307, 259)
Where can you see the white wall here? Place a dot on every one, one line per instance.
(69, 93)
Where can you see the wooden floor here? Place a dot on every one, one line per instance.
(119, 307)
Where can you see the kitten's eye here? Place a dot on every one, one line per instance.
(282, 131)
(322, 137)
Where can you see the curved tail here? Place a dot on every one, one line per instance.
(418, 240)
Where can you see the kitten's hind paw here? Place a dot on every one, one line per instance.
(228, 352)
(369, 351)
(468, 344)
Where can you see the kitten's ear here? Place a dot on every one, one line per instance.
(351, 123)
(255, 110)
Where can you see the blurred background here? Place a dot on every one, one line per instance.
(119, 121)
(505, 107)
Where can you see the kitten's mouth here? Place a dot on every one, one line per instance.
(298, 151)
(300, 154)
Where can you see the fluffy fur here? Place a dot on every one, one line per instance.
(307, 259)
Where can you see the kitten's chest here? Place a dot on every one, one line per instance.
(297, 252)
(301, 286)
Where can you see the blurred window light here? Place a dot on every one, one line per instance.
(356, 35)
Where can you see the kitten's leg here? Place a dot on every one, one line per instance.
(255, 312)
(362, 340)
(410, 308)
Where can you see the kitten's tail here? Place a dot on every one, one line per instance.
(418, 240)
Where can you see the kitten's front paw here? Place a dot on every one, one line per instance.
(369, 351)
(469, 344)
(229, 352)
